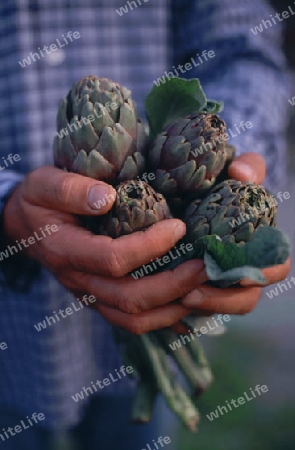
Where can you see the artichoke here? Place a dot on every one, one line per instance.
(99, 132)
(137, 207)
(101, 136)
(188, 156)
(233, 210)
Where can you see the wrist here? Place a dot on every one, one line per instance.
(18, 271)
(8, 183)
(7, 218)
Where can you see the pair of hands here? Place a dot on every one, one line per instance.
(98, 265)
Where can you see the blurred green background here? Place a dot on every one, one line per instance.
(242, 359)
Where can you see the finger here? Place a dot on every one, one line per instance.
(248, 167)
(278, 272)
(145, 321)
(272, 274)
(133, 296)
(85, 252)
(225, 301)
(180, 328)
(68, 192)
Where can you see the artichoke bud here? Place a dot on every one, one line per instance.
(188, 156)
(137, 207)
(98, 131)
(233, 210)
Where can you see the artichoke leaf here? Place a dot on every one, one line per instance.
(64, 152)
(176, 152)
(230, 262)
(213, 107)
(83, 134)
(102, 118)
(61, 118)
(175, 98)
(133, 166)
(128, 119)
(165, 183)
(231, 276)
(93, 165)
(115, 145)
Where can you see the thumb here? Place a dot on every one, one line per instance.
(248, 167)
(67, 192)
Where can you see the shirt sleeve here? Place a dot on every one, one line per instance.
(248, 71)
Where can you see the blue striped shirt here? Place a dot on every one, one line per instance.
(133, 43)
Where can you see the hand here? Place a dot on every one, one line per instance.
(98, 265)
(241, 300)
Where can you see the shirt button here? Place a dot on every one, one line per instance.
(55, 58)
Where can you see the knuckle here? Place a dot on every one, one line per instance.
(128, 304)
(180, 286)
(157, 240)
(55, 256)
(70, 261)
(113, 265)
(62, 188)
(48, 253)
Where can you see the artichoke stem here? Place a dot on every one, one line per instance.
(175, 396)
(195, 373)
(143, 401)
(198, 354)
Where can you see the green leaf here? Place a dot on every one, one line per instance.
(230, 263)
(213, 107)
(231, 276)
(174, 99)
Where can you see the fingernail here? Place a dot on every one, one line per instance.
(194, 298)
(100, 195)
(179, 230)
(247, 172)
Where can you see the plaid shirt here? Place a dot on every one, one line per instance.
(40, 371)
